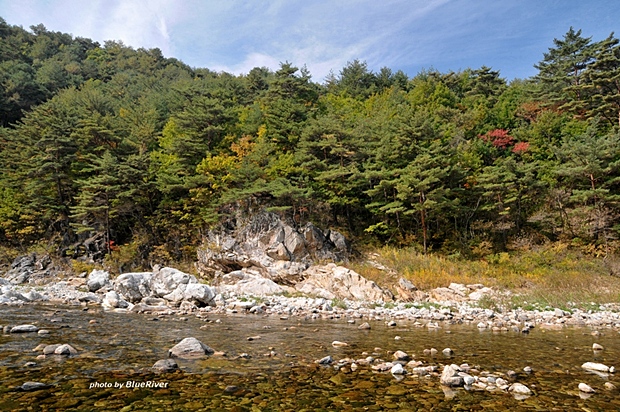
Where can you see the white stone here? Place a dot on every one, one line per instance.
(397, 369)
(585, 388)
(599, 367)
(519, 389)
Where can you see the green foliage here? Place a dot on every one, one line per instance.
(107, 140)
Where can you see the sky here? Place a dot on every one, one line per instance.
(409, 35)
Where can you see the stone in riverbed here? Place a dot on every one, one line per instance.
(598, 367)
(585, 388)
(190, 348)
(50, 349)
(397, 369)
(33, 386)
(165, 366)
(450, 376)
(24, 329)
(519, 389)
(610, 386)
(447, 352)
(364, 326)
(338, 344)
(596, 346)
(65, 350)
(401, 356)
(328, 360)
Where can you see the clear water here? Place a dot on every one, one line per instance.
(280, 373)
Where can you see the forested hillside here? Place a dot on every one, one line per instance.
(139, 151)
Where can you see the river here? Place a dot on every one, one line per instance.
(116, 351)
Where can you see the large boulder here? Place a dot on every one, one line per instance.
(249, 282)
(97, 280)
(167, 280)
(331, 281)
(133, 286)
(278, 249)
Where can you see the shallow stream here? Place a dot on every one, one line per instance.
(280, 373)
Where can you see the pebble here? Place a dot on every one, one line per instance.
(364, 326)
(610, 386)
(43, 332)
(585, 388)
(527, 369)
(401, 356)
(338, 344)
(596, 346)
(327, 360)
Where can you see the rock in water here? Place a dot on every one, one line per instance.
(585, 388)
(598, 367)
(401, 356)
(190, 348)
(519, 389)
(397, 369)
(450, 376)
(24, 329)
(165, 366)
(364, 326)
(33, 386)
(65, 350)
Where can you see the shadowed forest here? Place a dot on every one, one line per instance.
(140, 154)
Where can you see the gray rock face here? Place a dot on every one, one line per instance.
(133, 286)
(190, 348)
(263, 241)
(97, 279)
(32, 268)
(331, 281)
(250, 282)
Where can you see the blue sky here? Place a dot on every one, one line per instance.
(410, 35)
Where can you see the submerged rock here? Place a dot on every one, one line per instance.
(585, 388)
(165, 366)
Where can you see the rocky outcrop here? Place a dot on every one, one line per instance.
(266, 243)
(331, 281)
(248, 282)
(31, 268)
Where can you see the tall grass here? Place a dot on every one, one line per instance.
(554, 276)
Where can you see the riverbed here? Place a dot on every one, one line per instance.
(268, 363)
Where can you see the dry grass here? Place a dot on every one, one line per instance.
(553, 276)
